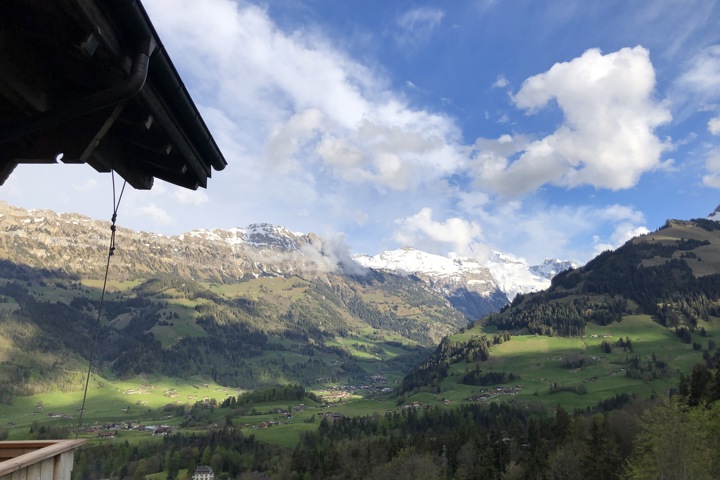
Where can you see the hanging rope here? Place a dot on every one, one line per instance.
(111, 251)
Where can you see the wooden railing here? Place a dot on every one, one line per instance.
(37, 459)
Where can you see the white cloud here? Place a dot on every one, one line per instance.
(417, 25)
(606, 139)
(703, 73)
(696, 89)
(501, 82)
(540, 231)
(392, 147)
(712, 167)
(621, 233)
(714, 126)
(287, 139)
(331, 254)
(239, 59)
(323, 135)
(454, 235)
(619, 212)
(292, 103)
(155, 213)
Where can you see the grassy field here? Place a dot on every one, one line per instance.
(542, 362)
(138, 401)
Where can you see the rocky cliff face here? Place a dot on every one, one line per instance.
(79, 245)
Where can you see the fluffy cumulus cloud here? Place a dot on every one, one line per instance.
(391, 146)
(300, 104)
(606, 138)
(315, 130)
(455, 235)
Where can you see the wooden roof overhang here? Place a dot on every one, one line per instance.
(89, 81)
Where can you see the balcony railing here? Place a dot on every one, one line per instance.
(37, 459)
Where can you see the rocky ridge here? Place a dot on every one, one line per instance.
(78, 245)
(474, 287)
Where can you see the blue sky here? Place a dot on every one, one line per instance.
(541, 129)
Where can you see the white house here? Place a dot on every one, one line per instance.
(203, 472)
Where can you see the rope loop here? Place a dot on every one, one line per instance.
(111, 252)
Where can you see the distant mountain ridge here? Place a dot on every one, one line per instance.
(77, 244)
(476, 288)
(251, 306)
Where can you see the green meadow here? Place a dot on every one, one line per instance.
(576, 364)
(141, 400)
(579, 363)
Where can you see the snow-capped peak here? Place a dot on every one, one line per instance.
(715, 215)
(260, 235)
(511, 275)
(410, 261)
(551, 267)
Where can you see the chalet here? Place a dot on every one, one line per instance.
(107, 434)
(203, 472)
(164, 430)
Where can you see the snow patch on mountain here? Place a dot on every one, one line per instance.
(513, 275)
(715, 215)
(408, 261)
(258, 235)
(551, 267)
(509, 274)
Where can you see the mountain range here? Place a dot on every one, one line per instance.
(78, 245)
(262, 306)
(225, 303)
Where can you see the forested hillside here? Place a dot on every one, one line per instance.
(263, 331)
(631, 320)
(583, 380)
(672, 274)
(624, 437)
